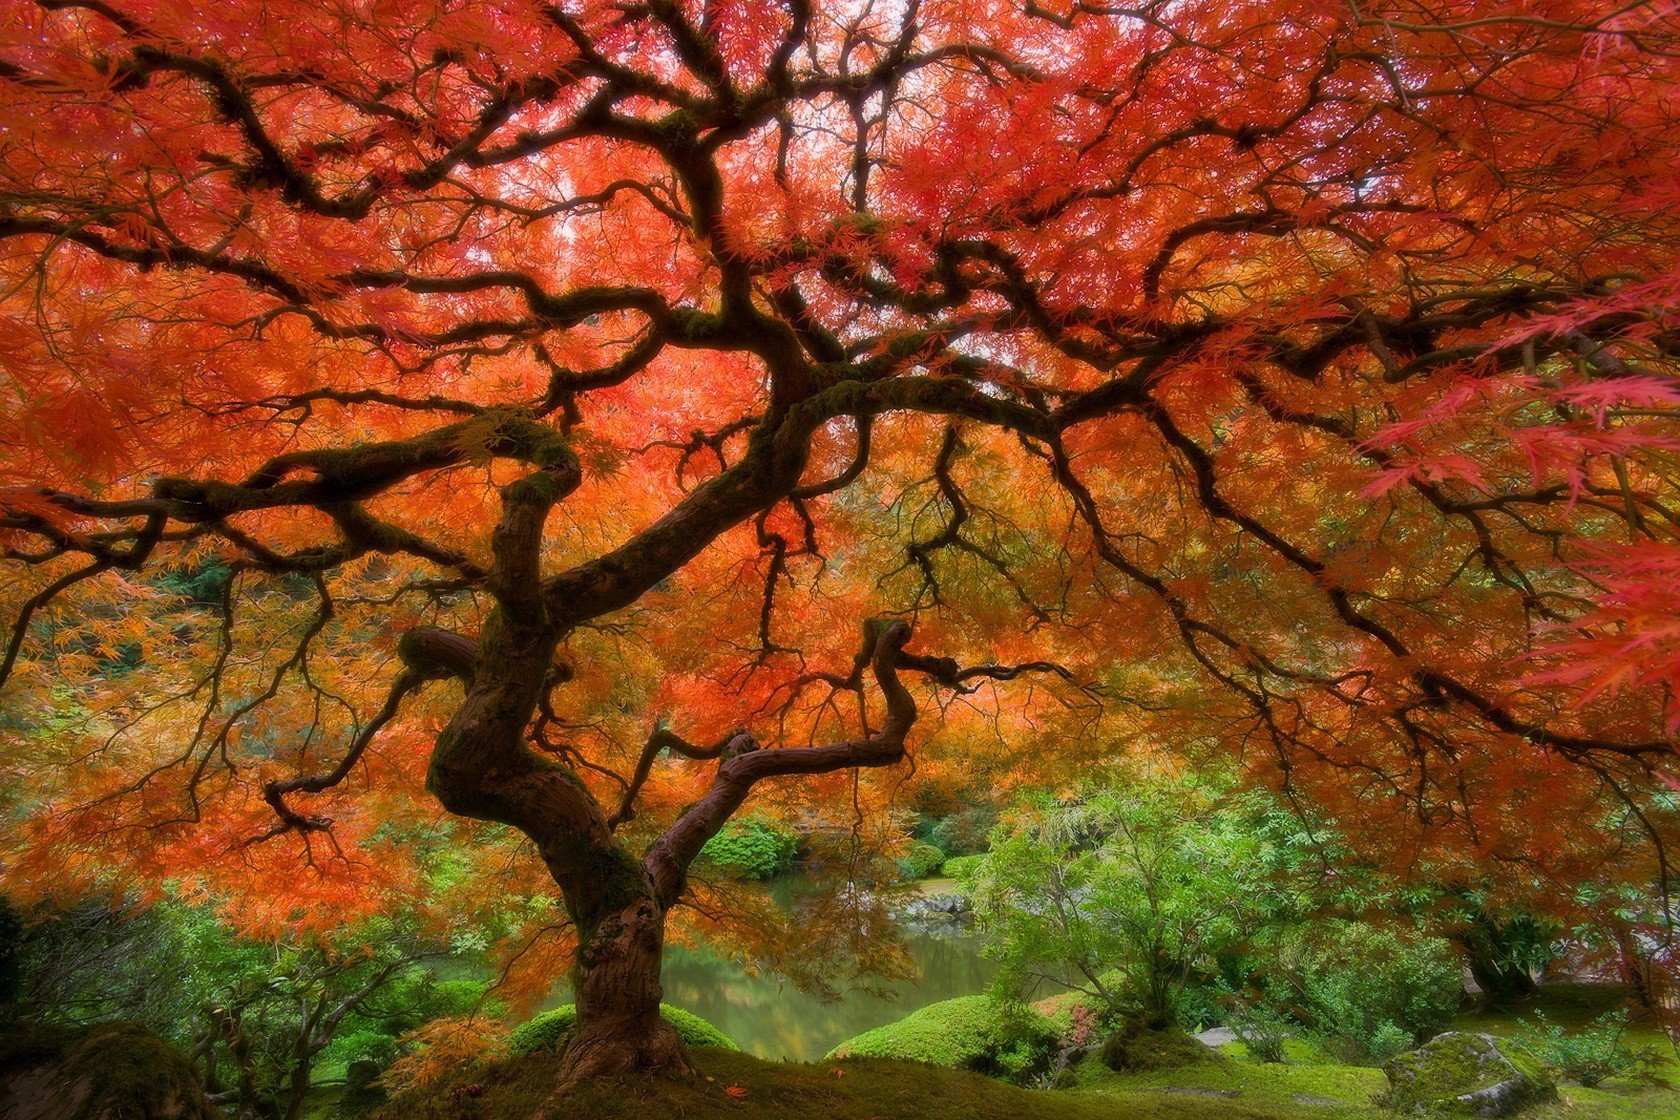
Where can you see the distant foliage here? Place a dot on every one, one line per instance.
(961, 832)
(751, 848)
(961, 867)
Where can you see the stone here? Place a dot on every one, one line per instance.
(110, 1071)
(360, 1075)
(1465, 1074)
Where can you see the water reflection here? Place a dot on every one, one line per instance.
(772, 1019)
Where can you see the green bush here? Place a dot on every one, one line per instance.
(751, 848)
(972, 1032)
(920, 861)
(960, 833)
(369, 1045)
(1588, 1055)
(959, 867)
(1261, 1030)
(1368, 991)
(544, 1031)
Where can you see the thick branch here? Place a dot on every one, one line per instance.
(669, 857)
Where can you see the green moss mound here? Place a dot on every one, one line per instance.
(735, 1086)
(1464, 1074)
(1136, 1048)
(921, 861)
(973, 1033)
(544, 1031)
(111, 1071)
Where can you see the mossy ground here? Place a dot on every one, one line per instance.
(858, 1089)
(1309, 1086)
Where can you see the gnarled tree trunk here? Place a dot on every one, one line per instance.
(482, 768)
(616, 979)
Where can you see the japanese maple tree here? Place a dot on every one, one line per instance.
(454, 387)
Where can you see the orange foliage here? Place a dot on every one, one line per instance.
(1290, 383)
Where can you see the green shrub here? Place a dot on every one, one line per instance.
(972, 1032)
(1261, 1030)
(920, 861)
(960, 867)
(544, 1031)
(960, 833)
(1368, 991)
(368, 1045)
(1588, 1055)
(751, 848)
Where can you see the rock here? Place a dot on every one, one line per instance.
(111, 1071)
(1465, 1074)
(360, 1075)
(940, 915)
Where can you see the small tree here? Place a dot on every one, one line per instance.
(1124, 894)
(258, 1017)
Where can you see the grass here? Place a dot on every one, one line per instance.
(1309, 1086)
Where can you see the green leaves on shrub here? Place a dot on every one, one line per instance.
(751, 848)
(920, 861)
(1261, 1030)
(1368, 991)
(1588, 1055)
(543, 1032)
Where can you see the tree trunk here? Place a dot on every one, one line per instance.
(616, 978)
(1500, 982)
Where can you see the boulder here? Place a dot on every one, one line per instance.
(1464, 1074)
(110, 1071)
(360, 1075)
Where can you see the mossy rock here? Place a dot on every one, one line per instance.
(1137, 1048)
(111, 1071)
(545, 1031)
(974, 1033)
(1464, 1074)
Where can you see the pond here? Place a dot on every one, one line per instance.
(770, 1018)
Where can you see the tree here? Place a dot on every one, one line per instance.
(1126, 895)
(256, 1017)
(578, 364)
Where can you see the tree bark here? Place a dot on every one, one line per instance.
(616, 979)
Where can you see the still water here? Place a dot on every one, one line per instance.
(774, 1020)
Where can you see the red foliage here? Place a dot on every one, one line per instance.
(1292, 380)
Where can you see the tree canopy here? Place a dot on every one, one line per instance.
(532, 400)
